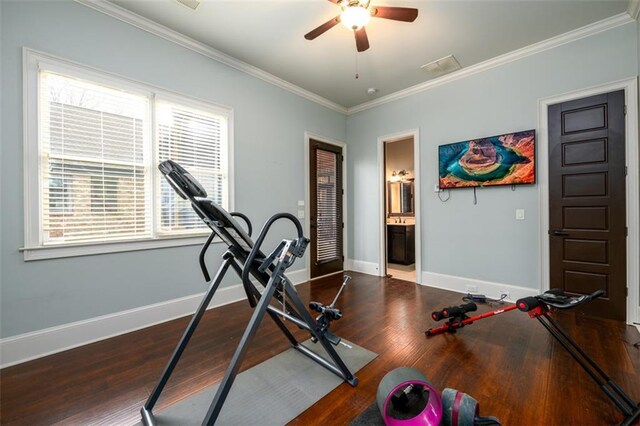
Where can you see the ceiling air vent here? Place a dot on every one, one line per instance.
(441, 66)
(191, 4)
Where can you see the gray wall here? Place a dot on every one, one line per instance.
(269, 150)
(482, 241)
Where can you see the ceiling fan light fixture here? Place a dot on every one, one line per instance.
(355, 17)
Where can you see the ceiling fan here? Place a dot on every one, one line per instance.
(355, 15)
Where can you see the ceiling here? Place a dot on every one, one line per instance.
(268, 34)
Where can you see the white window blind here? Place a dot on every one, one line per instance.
(92, 148)
(193, 138)
(93, 162)
(328, 244)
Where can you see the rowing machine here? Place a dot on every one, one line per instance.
(540, 307)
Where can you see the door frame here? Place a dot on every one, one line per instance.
(307, 196)
(382, 264)
(630, 87)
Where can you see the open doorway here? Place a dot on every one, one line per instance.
(400, 208)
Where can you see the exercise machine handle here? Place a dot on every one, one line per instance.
(203, 251)
(245, 219)
(454, 311)
(595, 295)
(263, 233)
(345, 281)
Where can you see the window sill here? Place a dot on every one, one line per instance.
(89, 249)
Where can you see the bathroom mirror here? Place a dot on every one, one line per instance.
(400, 198)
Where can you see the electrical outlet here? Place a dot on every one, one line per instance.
(472, 288)
(436, 188)
(519, 214)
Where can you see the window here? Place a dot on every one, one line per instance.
(192, 138)
(92, 161)
(92, 146)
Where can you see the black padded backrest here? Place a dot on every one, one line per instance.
(181, 180)
(228, 229)
(217, 218)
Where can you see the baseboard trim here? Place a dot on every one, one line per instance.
(36, 344)
(488, 288)
(369, 268)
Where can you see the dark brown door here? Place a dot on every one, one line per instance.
(326, 208)
(587, 215)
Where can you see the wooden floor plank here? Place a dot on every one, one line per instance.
(508, 363)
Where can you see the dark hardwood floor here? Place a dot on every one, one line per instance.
(508, 363)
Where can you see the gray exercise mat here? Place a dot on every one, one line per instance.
(271, 393)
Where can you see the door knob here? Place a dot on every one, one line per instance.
(558, 233)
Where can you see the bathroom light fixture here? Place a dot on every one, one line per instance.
(398, 176)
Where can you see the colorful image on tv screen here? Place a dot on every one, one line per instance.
(496, 160)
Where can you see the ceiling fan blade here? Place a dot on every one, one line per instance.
(362, 41)
(405, 14)
(322, 28)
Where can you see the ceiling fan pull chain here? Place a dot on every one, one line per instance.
(357, 74)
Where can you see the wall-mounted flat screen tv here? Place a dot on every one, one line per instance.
(497, 160)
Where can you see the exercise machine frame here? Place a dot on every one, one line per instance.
(540, 307)
(244, 257)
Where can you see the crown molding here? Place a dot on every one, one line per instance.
(154, 28)
(571, 36)
(634, 9)
(124, 15)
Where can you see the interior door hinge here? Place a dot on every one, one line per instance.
(626, 231)
(625, 110)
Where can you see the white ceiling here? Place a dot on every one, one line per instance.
(268, 34)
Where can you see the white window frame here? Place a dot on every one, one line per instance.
(33, 248)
